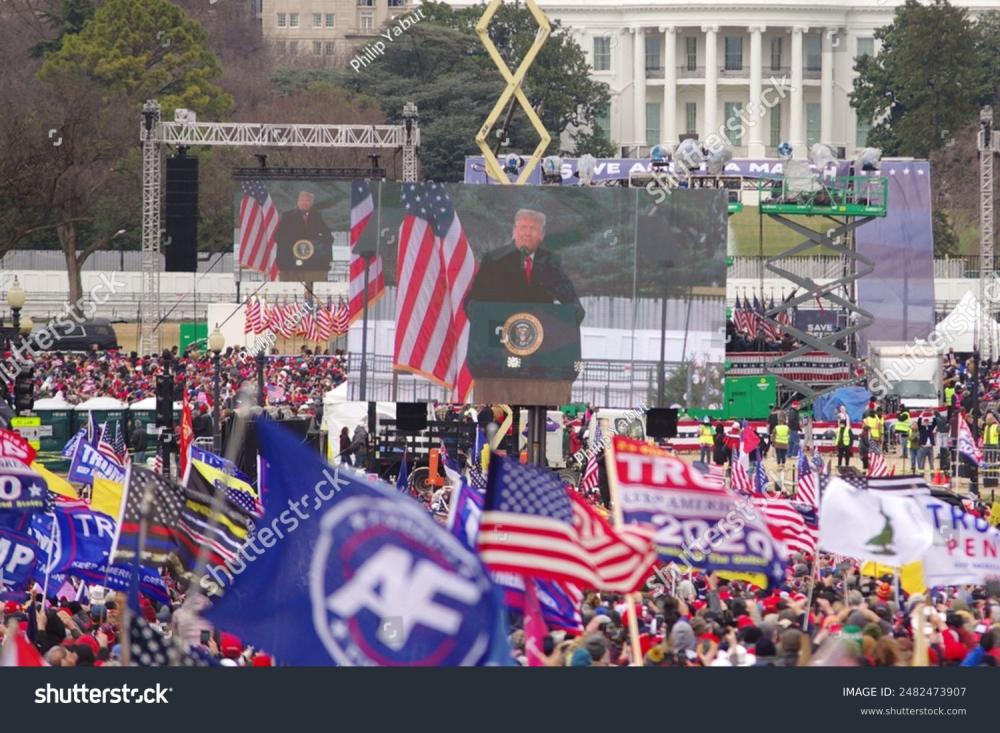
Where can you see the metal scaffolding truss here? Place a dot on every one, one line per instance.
(254, 134)
(186, 131)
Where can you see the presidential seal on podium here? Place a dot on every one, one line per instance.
(522, 334)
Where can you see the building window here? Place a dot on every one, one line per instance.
(317, 48)
(866, 47)
(652, 123)
(281, 47)
(293, 20)
(691, 118)
(317, 20)
(602, 120)
(652, 53)
(734, 53)
(331, 20)
(864, 127)
(367, 21)
(602, 53)
(691, 52)
(366, 3)
(776, 54)
(734, 113)
(282, 20)
(397, 3)
(812, 124)
(814, 55)
(328, 48)
(293, 48)
(775, 125)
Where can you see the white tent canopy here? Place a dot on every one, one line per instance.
(958, 329)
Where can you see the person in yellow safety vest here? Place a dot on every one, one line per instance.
(843, 440)
(949, 396)
(991, 443)
(706, 440)
(874, 426)
(902, 430)
(780, 440)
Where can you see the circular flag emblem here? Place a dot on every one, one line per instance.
(389, 588)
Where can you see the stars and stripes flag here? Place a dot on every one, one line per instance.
(311, 326)
(591, 478)
(253, 322)
(876, 462)
(210, 524)
(788, 525)
(362, 208)
(966, 443)
(121, 449)
(158, 460)
(258, 223)
(341, 318)
(106, 447)
(712, 473)
(166, 500)
(434, 270)
(805, 488)
(741, 480)
(531, 525)
(324, 321)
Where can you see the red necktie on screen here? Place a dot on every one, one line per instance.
(527, 269)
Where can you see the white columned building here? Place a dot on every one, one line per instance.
(784, 68)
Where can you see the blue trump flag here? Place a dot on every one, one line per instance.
(79, 536)
(403, 478)
(345, 571)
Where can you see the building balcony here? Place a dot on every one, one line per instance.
(686, 72)
(654, 72)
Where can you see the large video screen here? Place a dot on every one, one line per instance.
(522, 294)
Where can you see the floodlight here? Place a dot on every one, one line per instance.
(688, 155)
(512, 164)
(552, 169)
(585, 167)
(822, 156)
(660, 156)
(785, 150)
(868, 159)
(718, 159)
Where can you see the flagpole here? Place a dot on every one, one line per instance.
(611, 466)
(48, 565)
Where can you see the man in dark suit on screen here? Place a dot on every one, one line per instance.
(524, 272)
(303, 238)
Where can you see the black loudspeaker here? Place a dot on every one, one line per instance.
(180, 209)
(411, 417)
(165, 401)
(661, 422)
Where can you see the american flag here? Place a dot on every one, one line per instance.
(477, 478)
(533, 526)
(591, 477)
(166, 502)
(741, 481)
(712, 473)
(788, 525)
(158, 460)
(253, 322)
(805, 489)
(121, 449)
(150, 648)
(324, 322)
(310, 324)
(362, 207)
(341, 318)
(876, 462)
(106, 447)
(258, 222)
(434, 270)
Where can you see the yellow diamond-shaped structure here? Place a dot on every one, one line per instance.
(513, 89)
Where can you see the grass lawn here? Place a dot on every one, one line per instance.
(744, 234)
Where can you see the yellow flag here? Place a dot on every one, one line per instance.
(107, 497)
(995, 514)
(215, 476)
(911, 576)
(57, 484)
(758, 579)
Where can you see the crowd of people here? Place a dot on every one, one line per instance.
(298, 381)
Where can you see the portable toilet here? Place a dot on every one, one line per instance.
(56, 428)
(145, 410)
(105, 409)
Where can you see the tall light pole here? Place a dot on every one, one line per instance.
(216, 343)
(15, 300)
(121, 249)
